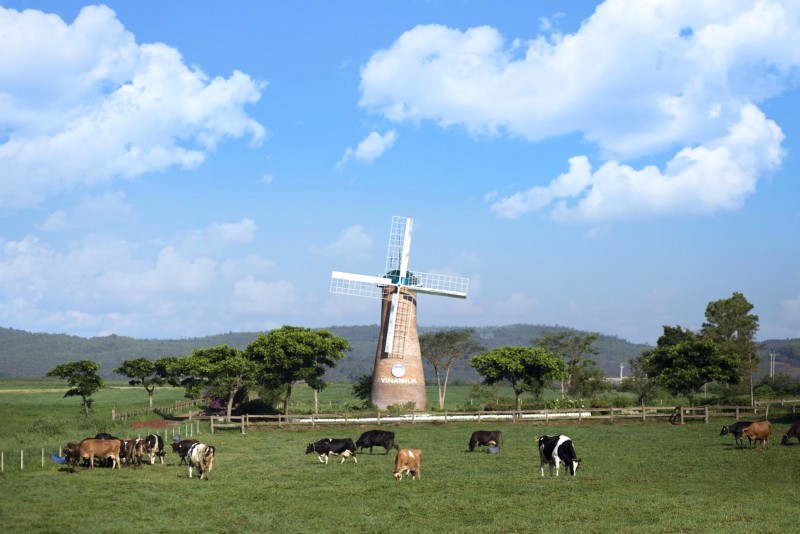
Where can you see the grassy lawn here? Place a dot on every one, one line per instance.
(652, 477)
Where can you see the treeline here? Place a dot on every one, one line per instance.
(31, 355)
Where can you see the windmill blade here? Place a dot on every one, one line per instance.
(392, 321)
(359, 285)
(438, 284)
(399, 247)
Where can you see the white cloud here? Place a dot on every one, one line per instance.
(637, 78)
(266, 298)
(82, 104)
(701, 180)
(371, 148)
(352, 243)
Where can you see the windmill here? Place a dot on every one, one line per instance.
(398, 377)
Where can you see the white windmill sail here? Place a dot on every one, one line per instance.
(398, 276)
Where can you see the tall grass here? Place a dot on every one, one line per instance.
(651, 477)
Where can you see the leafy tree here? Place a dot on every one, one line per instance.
(442, 349)
(573, 348)
(588, 380)
(362, 389)
(292, 354)
(225, 369)
(525, 368)
(730, 324)
(82, 378)
(638, 382)
(683, 368)
(142, 372)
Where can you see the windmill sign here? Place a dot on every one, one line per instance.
(398, 377)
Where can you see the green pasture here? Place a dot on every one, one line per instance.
(635, 477)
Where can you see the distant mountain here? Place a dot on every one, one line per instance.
(30, 355)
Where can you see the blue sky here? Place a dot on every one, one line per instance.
(178, 169)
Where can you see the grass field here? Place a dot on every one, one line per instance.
(651, 477)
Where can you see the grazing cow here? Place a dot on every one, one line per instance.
(155, 447)
(487, 438)
(556, 449)
(137, 452)
(182, 448)
(794, 432)
(327, 446)
(201, 456)
(101, 448)
(758, 431)
(126, 450)
(380, 438)
(408, 461)
(736, 429)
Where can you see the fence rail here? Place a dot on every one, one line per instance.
(675, 415)
(167, 408)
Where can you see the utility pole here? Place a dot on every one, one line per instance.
(772, 364)
(620, 370)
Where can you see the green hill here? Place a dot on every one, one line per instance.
(30, 355)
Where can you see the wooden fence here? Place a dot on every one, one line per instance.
(168, 408)
(674, 415)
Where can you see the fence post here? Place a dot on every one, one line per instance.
(644, 412)
(413, 417)
(379, 418)
(737, 413)
(706, 413)
(114, 412)
(612, 413)
(212, 425)
(766, 413)
(242, 420)
(681, 410)
(42, 457)
(21, 459)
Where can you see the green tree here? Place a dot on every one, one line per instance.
(525, 368)
(362, 389)
(685, 367)
(638, 382)
(730, 324)
(142, 372)
(291, 354)
(442, 349)
(225, 369)
(573, 348)
(82, 379)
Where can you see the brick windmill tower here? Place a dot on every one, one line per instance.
(398, 377)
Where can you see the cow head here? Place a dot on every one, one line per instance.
(725, 430)
(310, 448)
(785, 439)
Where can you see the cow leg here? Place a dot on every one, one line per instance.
(190, 471)
(541, 466)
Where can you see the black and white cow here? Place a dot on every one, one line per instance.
(181, 448)
(736, 429)
(155, 447)
(327, 446)
(376, 438)
(486, 438)
(200, 456)
(556, 449)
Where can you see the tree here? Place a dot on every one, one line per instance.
(442, 349)
(226, 369)
(82, 378)
(685, 367)
(638, 382)
(142, 372)
(525, 368)
(573, 348)
(730, 324)
(292, 354)
(362, 389)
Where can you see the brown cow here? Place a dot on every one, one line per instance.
(72, 455)
(408, 461)
(756, 432)
(102, 448)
